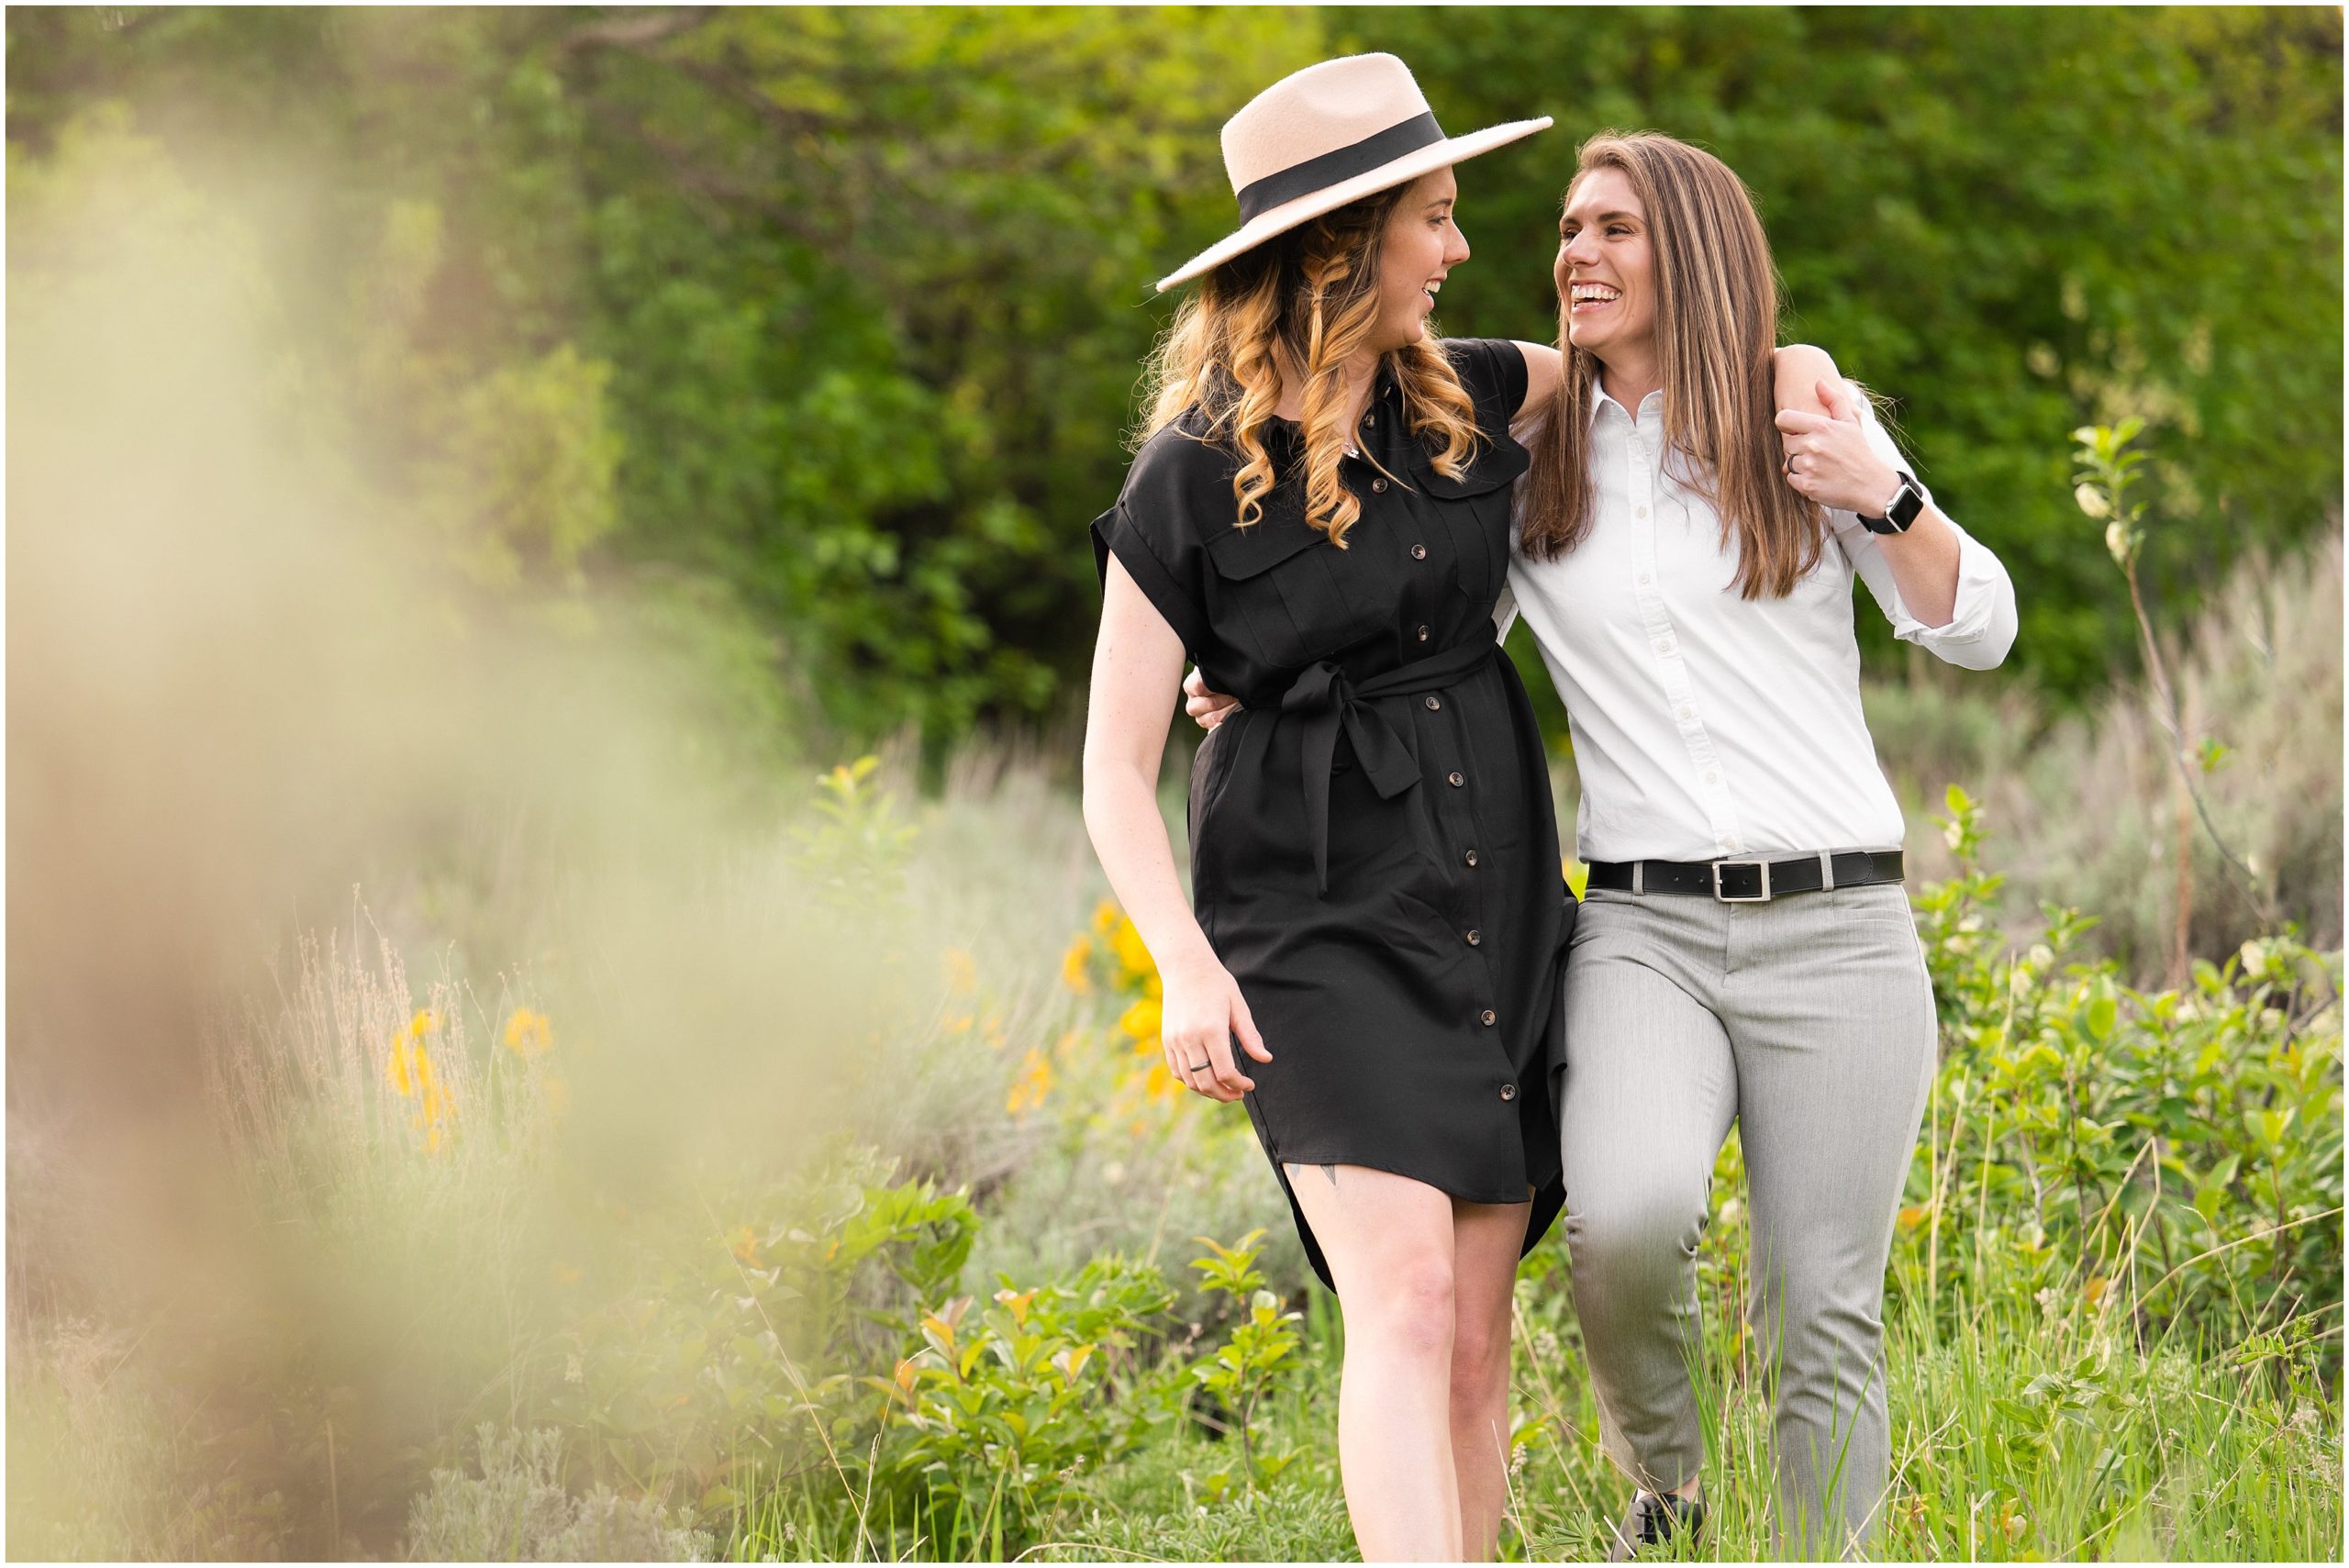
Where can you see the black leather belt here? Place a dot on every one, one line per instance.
(1748, 881)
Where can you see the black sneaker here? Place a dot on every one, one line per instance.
(1652, 1521)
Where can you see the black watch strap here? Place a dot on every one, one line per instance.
(1906, 504)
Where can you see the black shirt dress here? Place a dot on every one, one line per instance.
(1373, 850)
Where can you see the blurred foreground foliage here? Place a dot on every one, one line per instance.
(954, 1325)
(826, 323)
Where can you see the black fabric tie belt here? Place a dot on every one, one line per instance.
(1328, 700)
(1748, 879)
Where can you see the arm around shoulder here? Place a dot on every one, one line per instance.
(1544, 367)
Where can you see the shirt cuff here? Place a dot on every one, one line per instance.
(1982, 625)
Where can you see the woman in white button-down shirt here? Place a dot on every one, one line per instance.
(1686, 568)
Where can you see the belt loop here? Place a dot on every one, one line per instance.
(1827, 870)
(1639, 879)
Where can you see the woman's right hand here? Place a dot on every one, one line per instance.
(1198, 1017)
(1210, 708)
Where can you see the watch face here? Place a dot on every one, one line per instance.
(1905, 506)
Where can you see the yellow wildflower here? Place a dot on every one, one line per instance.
(961, 973)
(1075, 964)
(1067, 1046)
(568, 1274)
(1913, 1216)
(401, 1069)
(1106, 917)
(1141, 1020)
(1134, 954)
(1035, 1081)
(744, 1245)
(528, 1033)
(435, 1112)
(1161, 1084)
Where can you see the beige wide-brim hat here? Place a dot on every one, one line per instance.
(1331, 134)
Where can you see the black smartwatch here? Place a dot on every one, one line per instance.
(1900, 512)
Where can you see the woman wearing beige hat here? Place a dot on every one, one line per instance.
(1320, 516)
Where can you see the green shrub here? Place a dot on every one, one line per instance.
(2175, 1154)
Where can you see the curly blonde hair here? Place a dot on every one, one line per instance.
(1309, 297)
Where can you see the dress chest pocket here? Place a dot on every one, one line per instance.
(1475, 508)
(1288, 585)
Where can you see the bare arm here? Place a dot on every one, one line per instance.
(1543, 366)
(1137, 667)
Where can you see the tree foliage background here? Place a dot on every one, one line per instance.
(822, 327)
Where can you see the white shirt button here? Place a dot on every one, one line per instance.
(1643, 577)
(1639, 512)
(1664, 645)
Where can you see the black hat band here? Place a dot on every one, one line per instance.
(1260, 196)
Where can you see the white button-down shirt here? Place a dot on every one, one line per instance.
(1705, 724)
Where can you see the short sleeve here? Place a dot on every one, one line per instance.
(1493, 372)
(1156, 531)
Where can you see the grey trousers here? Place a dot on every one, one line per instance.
(1810, 1021)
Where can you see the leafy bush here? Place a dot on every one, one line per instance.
(2180, 1152)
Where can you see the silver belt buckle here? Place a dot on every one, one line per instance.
(1760, 897)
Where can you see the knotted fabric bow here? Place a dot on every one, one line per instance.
(1328, 700)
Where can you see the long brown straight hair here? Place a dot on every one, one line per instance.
(1716, 326)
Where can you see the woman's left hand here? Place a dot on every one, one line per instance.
(1828, 457)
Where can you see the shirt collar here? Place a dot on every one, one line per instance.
(1601, 401)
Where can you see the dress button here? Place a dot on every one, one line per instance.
(1378, 487)
(1488, 1018)
(1433, 705)
(1455, 780)
(1509, 1091)
(1475, 937)
(1639, 512)
(1418, 552)
(1470, 857)
(1423, 634)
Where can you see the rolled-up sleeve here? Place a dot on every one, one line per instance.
(1981, 627)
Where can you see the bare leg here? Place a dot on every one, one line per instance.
(1388, 1241)
(1486, 1239)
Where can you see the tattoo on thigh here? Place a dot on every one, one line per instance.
(1297, 1173)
